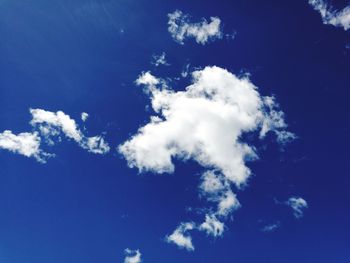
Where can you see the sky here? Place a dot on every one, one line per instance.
(174, 131)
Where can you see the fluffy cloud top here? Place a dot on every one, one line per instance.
(27, 144)
(298, 205)
(332, 17)
(180, 28)
(132, 256)
(205, 122)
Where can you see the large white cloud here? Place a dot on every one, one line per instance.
(330, 16)
(132, 256)
(205, 123)
(26, 143)
(180, 28)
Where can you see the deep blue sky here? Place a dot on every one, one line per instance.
(84, 55)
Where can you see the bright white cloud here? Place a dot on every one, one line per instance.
(147, 79)
(27, 144)
(158, 60)
(51, 124)
(84, 116)
(212, 226)
(332, 17)
(205, 123)
(180, 28)
(180, 237)
(132, 256)
(298, 205)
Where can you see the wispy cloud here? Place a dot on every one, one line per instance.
(330, 16)
(51, 124)
(180, 28)
(160, 59)
(271, 227)
(47, 128)
(298, 206)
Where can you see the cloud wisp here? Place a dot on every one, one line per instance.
(330, 16)
(271, 227)
(160, 59)
(132, 256)
(52, 124)
(48, 127)
(205, 122)
(180, 28)
(298, 206)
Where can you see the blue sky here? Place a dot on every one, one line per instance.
(103, 190)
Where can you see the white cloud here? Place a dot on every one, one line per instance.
(180, 28)
(205, 123)
(212, 184)
(216, 188)
(228, 203)
(51, 124)
(48, 122)
(96, 144)
(185, 71)
(132, 256)
(298, 205)
(158, 60)
(180, 237)
(84, 116)
(212, 226)
(27, 144)
(271, 227)
(329, 16)
(147, 79)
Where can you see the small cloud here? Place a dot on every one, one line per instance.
(212, 226)
(271, 227)
(181, 28)
(147, 79)
(84, 116)
(26, 143)
(132, 256)
(180, 237)
(332, 17)
(158, 60)
(298, 206)
(186, 70)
